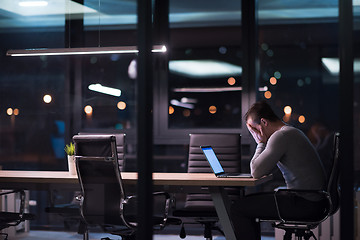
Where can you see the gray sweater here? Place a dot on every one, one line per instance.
(295, 156)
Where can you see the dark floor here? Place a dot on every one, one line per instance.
(46, 235)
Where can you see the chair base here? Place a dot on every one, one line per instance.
(209, 226)
(300, 234)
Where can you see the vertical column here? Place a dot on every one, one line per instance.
(249, 43)
(144, 99)
(161, 76)
(74, 37)
(346, 119)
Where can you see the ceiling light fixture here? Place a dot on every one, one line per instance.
(332, 65)
(202, 68)
(105, 90)
(181, 104)
(33, 4)
(209, 89)
(79, 51)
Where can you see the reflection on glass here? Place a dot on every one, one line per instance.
(201, 82)
(110, 90)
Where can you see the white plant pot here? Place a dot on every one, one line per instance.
(71, 164)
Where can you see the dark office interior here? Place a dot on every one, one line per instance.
(221, 57)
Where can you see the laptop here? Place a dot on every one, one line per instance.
(216, 165)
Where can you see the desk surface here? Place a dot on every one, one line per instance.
(171, 179)
(44, 179)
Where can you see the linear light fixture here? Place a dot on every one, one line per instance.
(105, 90)
(79, 51)
(181, 104)
(33, 4)
(203, 68)
(332, 65)
(209, 89)
(36, 8)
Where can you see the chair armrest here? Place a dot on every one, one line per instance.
(79, 198)
(155, 194)
(280, 191)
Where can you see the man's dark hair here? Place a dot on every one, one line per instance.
(261, 110)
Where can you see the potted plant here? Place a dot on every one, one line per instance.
(70, 151)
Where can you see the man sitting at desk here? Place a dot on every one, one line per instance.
(290, 150)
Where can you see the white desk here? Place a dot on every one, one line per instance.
(44, 179)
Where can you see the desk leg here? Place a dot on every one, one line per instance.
(222, 205)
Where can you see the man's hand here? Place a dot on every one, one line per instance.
(258, 135)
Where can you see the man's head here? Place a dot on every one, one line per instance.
(262, 121)
(261, 110)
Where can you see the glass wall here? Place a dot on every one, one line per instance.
(46, 100)
(356, 37)
(108, 90)
(205, 87)
(202, 90)
(32, 113)
(356, 12)
(294, 71)
(31, 90)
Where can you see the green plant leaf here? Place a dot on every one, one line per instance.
(70, 149)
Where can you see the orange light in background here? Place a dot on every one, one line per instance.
(186, 113)
(9, 111)
(121, 105)
(88, 109)
(267, 94)
(171, 110)
(212, 109)
(16, 111)
(301, 119)
(47, 98)
(287, 110)
(273, 80)
(231, 81)
(286, 117)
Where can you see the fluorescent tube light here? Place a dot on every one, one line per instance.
(181, 104)
(214, 89)
(79, 51)
(106, 90)
(203, 89)
(204, 68)
(333, 65)
(33, 4)
(44, 8)
(263, 89)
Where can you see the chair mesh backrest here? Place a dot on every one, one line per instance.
(333, 183)
(227, 148)
(99, 177)
(120, 146)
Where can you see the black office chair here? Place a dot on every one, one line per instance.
(104, 202)
(199, 207)
(302, 228)
(120, 147)
(70, 212)
(8, 219)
